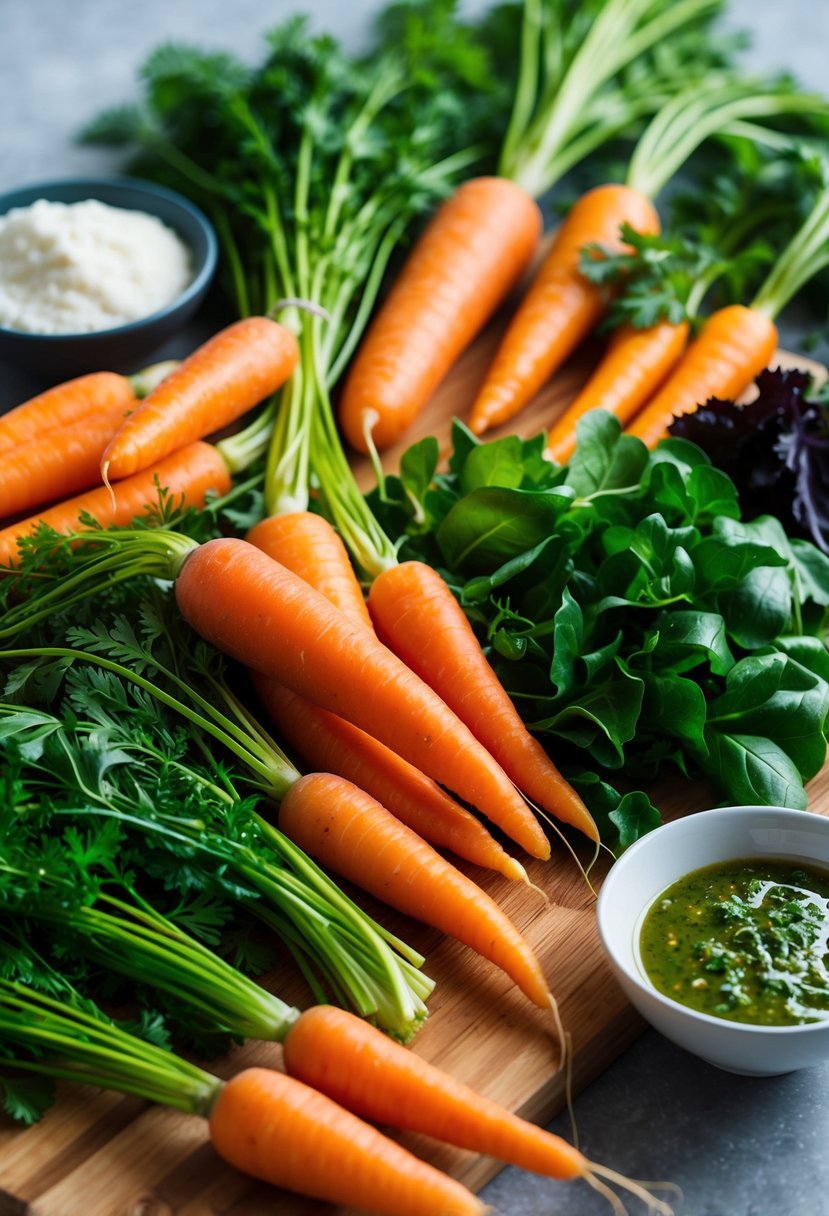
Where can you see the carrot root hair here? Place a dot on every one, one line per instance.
(598, 1177)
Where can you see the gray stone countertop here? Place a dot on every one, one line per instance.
(736, 1146)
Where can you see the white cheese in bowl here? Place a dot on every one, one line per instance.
(72, 268)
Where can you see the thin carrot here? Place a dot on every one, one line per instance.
(187, 475)
(733, 346)
(561, 306)
(329, 744)
(365, 1071)
(52, 466)
(221, 380)
(475, 249)
(262, 614)
(417, 616)
(349, 832)
(276, 1128)
(64, 405)
(636, 363)
(308, 545)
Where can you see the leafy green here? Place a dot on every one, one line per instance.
(640, 625)
(147, 731)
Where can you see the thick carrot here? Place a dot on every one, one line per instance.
(561, 307)
(262, 614)
(53, 466)
(733, 346)
(228, 375)
(275, 1128)
(477, 246)
(349, 832)
(328, 744)
(365, 1071)
(416, 615)
(64, 405)
(187, 475)
(308, 545)
(635, 364)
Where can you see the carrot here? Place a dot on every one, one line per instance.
(733, 346)
(265, 616)
(416, 615)
(476, 247)
(349, 832)
(326, 743)
(221, 380)
(54, 465)
(307, 544)
(64, 405)
(366, 1072)
(187, 475)
(636, 363)
(561, 307)
(275, 1128)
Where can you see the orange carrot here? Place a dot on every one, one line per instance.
(561, 307)
(636, 363)
(416, 615)
(188, 475)
(477, 246)
(279, 1130)
(64, 405)
(308, 545)
(349, 832)
(368, 1073)
(54, 465)
(733, 346)
(328, 744)
(228, 375)
(365, 1071)
(262, 614)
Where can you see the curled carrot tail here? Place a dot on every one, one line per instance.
(417, 616)
(561, 307)
(367, 1072)
(475, 249)
(733, 346)
(268, 618)
(308, 545)
(635, 364)
(188, 476)
(326, 743)
(66, 404)
(279, 1130)
(227, 376)
(349, 832)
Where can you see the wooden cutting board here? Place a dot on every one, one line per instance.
(98, 1154)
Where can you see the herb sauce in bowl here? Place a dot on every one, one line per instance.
(745, 940)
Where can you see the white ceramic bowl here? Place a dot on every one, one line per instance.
(645, 869)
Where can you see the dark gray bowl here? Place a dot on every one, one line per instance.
(125, 348)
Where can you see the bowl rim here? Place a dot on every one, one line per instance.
(648, 990)
(200, 281)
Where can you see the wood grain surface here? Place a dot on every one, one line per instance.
(98, 1154)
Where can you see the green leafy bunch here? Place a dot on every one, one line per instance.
(640, 625)
(313, 153)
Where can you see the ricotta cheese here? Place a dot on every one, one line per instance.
(71, 268)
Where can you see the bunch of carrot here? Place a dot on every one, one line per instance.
(303, 1129)
(96, 429)
(446, 289)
